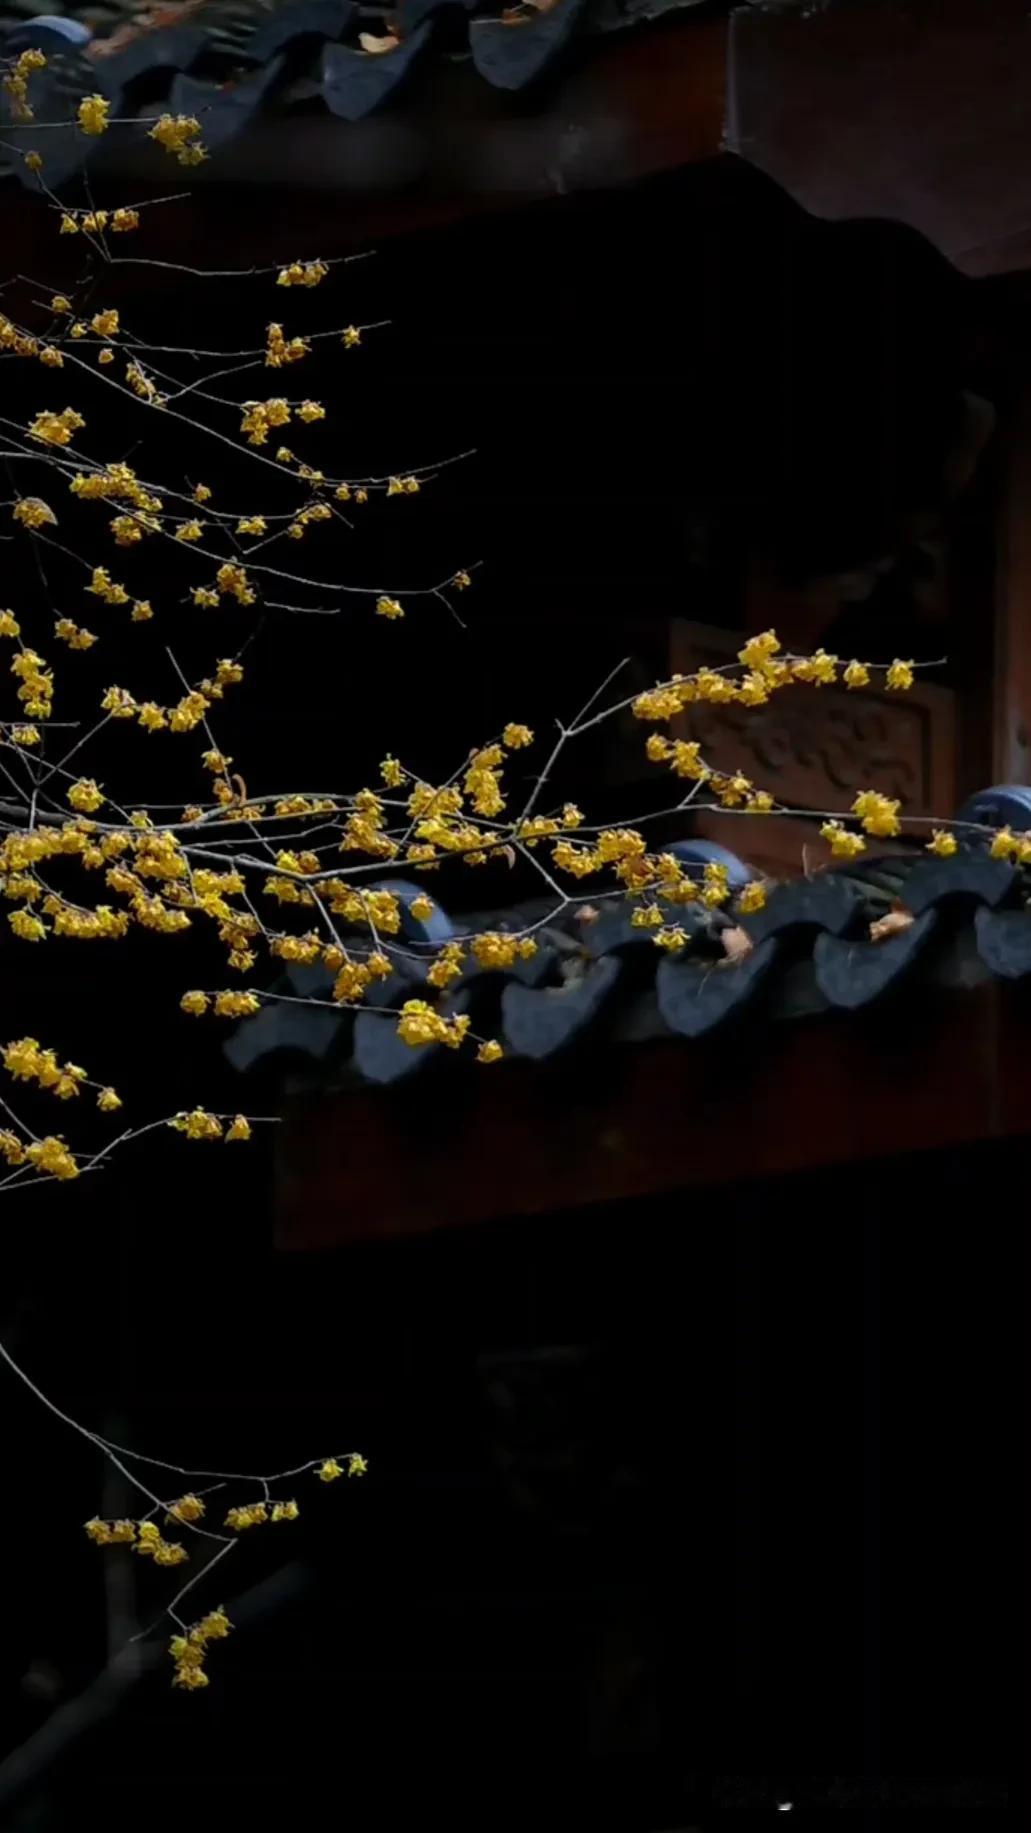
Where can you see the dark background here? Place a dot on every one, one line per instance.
(675, 1507)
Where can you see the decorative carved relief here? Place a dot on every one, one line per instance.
(815, 747)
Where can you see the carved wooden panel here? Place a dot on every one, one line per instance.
(814, 748)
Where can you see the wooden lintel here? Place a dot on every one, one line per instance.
(643, 1120)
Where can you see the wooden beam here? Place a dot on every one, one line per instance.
(646, 1120)
(624, 106)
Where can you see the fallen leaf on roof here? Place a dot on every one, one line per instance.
(893, 923)
(736, 943)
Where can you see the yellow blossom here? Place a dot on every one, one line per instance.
(515, 736)
(32, 512)
(187, 1508)
(252, 1515)
(27, 928)
(388, 607)
(93, 113)
(671, 939)
(329, 1470)
(239, 1129)
(56, 429)
(856, 675)
(1005, 845)
(108, 1101)
(819, 669)
(178, 134)
(197, 1125)
(844, 844)
(85, 796)
(751, 898)
(942, 843)
(302, 273)
(900, 676)
(490, 1051)
(877, 813)
(51, 1157)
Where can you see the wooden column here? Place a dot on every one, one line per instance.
(1011, 750)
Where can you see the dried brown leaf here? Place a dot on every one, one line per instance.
(894, 923)
(736, 942)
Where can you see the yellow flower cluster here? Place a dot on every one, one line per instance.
(493, 949)
(84, 796)
(189, 1652)
(420, 1024)
(259, 417)
(448, 965)
(36, 687)
(765, 671)
(844, 844)
(187, 1508)
(16, 342)
(232, 581)
(151, 1545)
(198, 1124)
(330, 1469)
(111, 1533)
(253, 1515)
(94, 222)
(179, 135)
(93, 114)
(353, 977)
(142, 386)
(32, 512)
(1014, 847)
(281, 350)
(27, 1062)
(16, 82)
(75, 635)
(103, 586)
(878, 814)
(302, 273)
(670, 939)
(56, 429)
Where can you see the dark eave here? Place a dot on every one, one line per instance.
(909, 110)
(606, 983)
